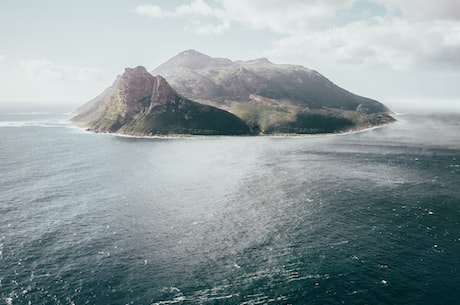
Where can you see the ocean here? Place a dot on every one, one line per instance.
(362, 218)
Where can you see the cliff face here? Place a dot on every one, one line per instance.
(142, 104)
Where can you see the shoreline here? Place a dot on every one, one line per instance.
(278, 135)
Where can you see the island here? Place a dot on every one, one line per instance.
(195, 94)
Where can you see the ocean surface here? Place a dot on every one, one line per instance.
(364, 218)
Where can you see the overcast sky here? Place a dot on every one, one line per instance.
(402, 53)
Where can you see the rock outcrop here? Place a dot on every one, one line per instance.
(139, 103)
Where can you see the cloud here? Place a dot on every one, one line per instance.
(203, 18)
(149, 10)
(401, 34)
(198, 8)
(394, 33)
(210, 28)
(396, 43)
(43, 70)
(434, 10)
(194, 8)
(257, 14)
(283, 16)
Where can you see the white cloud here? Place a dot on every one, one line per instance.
(198, 8)
(397, 43)
(209, 28)
(283, 16)
(423, 9)
(194, 8)
(149, 10)
(196, 11)
(276, 15)
(409, 33)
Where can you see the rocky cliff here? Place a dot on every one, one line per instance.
(139, 103)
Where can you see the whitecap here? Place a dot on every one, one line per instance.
(46, 124)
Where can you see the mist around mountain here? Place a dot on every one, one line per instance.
(201, 95)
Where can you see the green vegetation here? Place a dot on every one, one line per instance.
(284, 117)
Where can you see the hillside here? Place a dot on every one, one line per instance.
(271, 97)
(139, 103)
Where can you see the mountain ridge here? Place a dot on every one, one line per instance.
(294, 89)
(259, 76)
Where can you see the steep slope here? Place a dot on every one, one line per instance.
(142, 104)
(288, 94)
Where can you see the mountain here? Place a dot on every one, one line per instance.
(232, 98)
(270, 97)
(139, 103)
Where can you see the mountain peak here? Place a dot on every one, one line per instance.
(138, 69)
(257, 61)
(137, 83)
(192, 53)
(192, 59)
(137, 72)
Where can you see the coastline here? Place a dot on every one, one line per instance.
(275, 135)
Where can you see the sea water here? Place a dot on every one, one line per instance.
(363, 218)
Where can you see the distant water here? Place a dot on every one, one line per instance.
(363, 218)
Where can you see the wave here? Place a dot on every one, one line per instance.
(35, 119)
(30, 113)
(273, 136)
(35, 124)
(32, 124)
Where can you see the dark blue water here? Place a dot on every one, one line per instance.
(364, 218)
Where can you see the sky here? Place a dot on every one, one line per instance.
(406, 54)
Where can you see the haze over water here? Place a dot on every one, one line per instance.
(363, 218)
